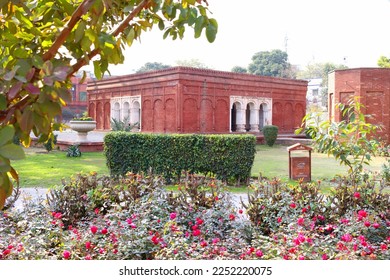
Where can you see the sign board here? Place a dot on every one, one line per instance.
(299, 162)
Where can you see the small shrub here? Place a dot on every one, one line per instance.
(270, 134)
(49, 144)
(118, 125)
(73, 151)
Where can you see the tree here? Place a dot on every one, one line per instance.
(270, 63)
(239, 69)
(320, 70)
(384, 62)
(152, 66)
(350, 141)
(44, 43)
(196, 63)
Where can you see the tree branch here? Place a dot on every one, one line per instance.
(76, 16)
(85, 60)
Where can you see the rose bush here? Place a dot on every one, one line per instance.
(136, 218)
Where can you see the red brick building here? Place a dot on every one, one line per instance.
(190, 100)
(371, 85)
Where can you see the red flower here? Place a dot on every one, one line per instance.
(279, 219)
(203, 244)
(259, 253)
(301, 221)
(375, 225)
(367, 223)
(199, 221)
(356, 195)
(196, 232)
(6, 252)
(293, 205)
(104, 231)
(304, 210)
(172, 216)
(216, 198)
(232, 217)
(94, 229)
(66, 254)
(58, 215)
(362, 213)
(88, 245)
(240, 211)
(301, 258)
(324, 257)
(346, 237)
(383, 247)
(96, 211)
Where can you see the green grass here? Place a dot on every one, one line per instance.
(44, 170)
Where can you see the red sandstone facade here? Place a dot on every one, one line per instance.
(371, 85)
(190, 100)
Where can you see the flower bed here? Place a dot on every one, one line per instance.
(93, 217)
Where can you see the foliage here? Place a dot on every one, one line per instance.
(239, 69)
(152, 66)
(270, 63)
(195, 63)
(320, 70)
(50, 143)
(349, 141)
(384, 62)
(73, 151)
(270, 134)
(225, 156)
(140, 220)
(49, 41)
(118, 125)
(84, 117)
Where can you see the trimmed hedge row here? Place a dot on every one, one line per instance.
(225, 156)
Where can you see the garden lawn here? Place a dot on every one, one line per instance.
(43, 170)
(273, 162)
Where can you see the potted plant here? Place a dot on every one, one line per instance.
(82, 126)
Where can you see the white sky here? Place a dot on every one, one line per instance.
(317, 31)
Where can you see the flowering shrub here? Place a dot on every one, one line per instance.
(140, 220)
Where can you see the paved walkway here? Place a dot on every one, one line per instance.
(30, 194)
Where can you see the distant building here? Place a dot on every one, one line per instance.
(371, 85)
(314, 98)
(79, 102)
(191, 100)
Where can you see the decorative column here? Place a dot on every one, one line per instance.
(240, 120)
(254, 125)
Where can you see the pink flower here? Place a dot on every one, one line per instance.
(172, 216)
(301, 221)
(101, 251)
(304, 210)
(58, 215)
(66, 254)
(203, 244)
(362, 213)
(345, 221)
(196, 232)
(94, 229)
(104, 231)
(88, 257)
(346, 237)
(259, 253)
(367, 223)
(375, 225)
(240, 211)
(6, 252)
(129, 221)
(96, 211)
(301, 258)
(199, 221)
(279, 219)
(293, 205)
(215, 240)
(383, 247)
(356, 195)
(232, 217)
(324, 257)
(88, 245)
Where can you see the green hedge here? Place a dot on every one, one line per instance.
(270, 134)
(225, 156)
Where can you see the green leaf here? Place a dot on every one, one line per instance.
(199, 26)
(6, 134)
(211, 30)
(12, 151)
(3, 102)
(97, 70)
(79, 34)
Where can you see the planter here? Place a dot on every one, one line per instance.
(82, 128)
